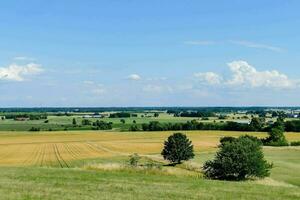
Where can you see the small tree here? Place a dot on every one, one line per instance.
(122, 121)
(86, 122)
(74, 122)
(178, 148)
(238, 159)
(133, 128)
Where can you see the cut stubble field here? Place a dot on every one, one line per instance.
(60, 148)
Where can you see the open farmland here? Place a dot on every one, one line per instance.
(56, 123)
(45, 165)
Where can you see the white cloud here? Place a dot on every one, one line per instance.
(199, 42)
(99, 90)
(256, 45)
(134, 77)
(94, 88)
(245, 75)
(157, 79)
(16, 72)
(157, 88)
(23, 58)
(244, 43)
(88, 82)
(209, 78)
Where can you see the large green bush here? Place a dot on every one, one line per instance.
(238, 159)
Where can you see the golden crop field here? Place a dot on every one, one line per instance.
(60, 148)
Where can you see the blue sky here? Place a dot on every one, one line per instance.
(149, 53)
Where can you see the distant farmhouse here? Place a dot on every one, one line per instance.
(95, 115)
(22, 119)
(292, 115)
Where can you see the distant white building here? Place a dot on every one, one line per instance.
(94, 116)
(97, 116)
(293, 115)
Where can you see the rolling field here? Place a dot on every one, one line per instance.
(51, 165)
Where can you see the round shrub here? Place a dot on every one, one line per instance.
(238, 159)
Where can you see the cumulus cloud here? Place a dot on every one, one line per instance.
(134, 77)
(245, 75)
(209, 78)
(16, 72)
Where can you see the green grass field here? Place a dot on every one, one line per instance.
(90, 165)
(62, 122)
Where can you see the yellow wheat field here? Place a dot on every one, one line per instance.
(60, 148)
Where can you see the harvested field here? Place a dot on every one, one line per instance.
(59, 149)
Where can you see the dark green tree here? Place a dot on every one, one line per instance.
(134, 128)
(177, 148)
(86, 122)
(74, 122)
(257, 124)
(276, 137)
(238, 159)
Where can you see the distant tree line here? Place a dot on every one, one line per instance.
(256, 124)
(25, 115)
(120, 115)
(292, 126)
(195, 114)
(97, 125)
(102, 125)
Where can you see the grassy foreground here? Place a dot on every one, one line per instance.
(43, 183)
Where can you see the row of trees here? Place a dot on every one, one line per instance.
(29, 116)
(120, 115)
(199, 114)
(256, 125)
(292, 126)
(97, 125)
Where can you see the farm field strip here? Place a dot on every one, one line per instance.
(61, 148)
